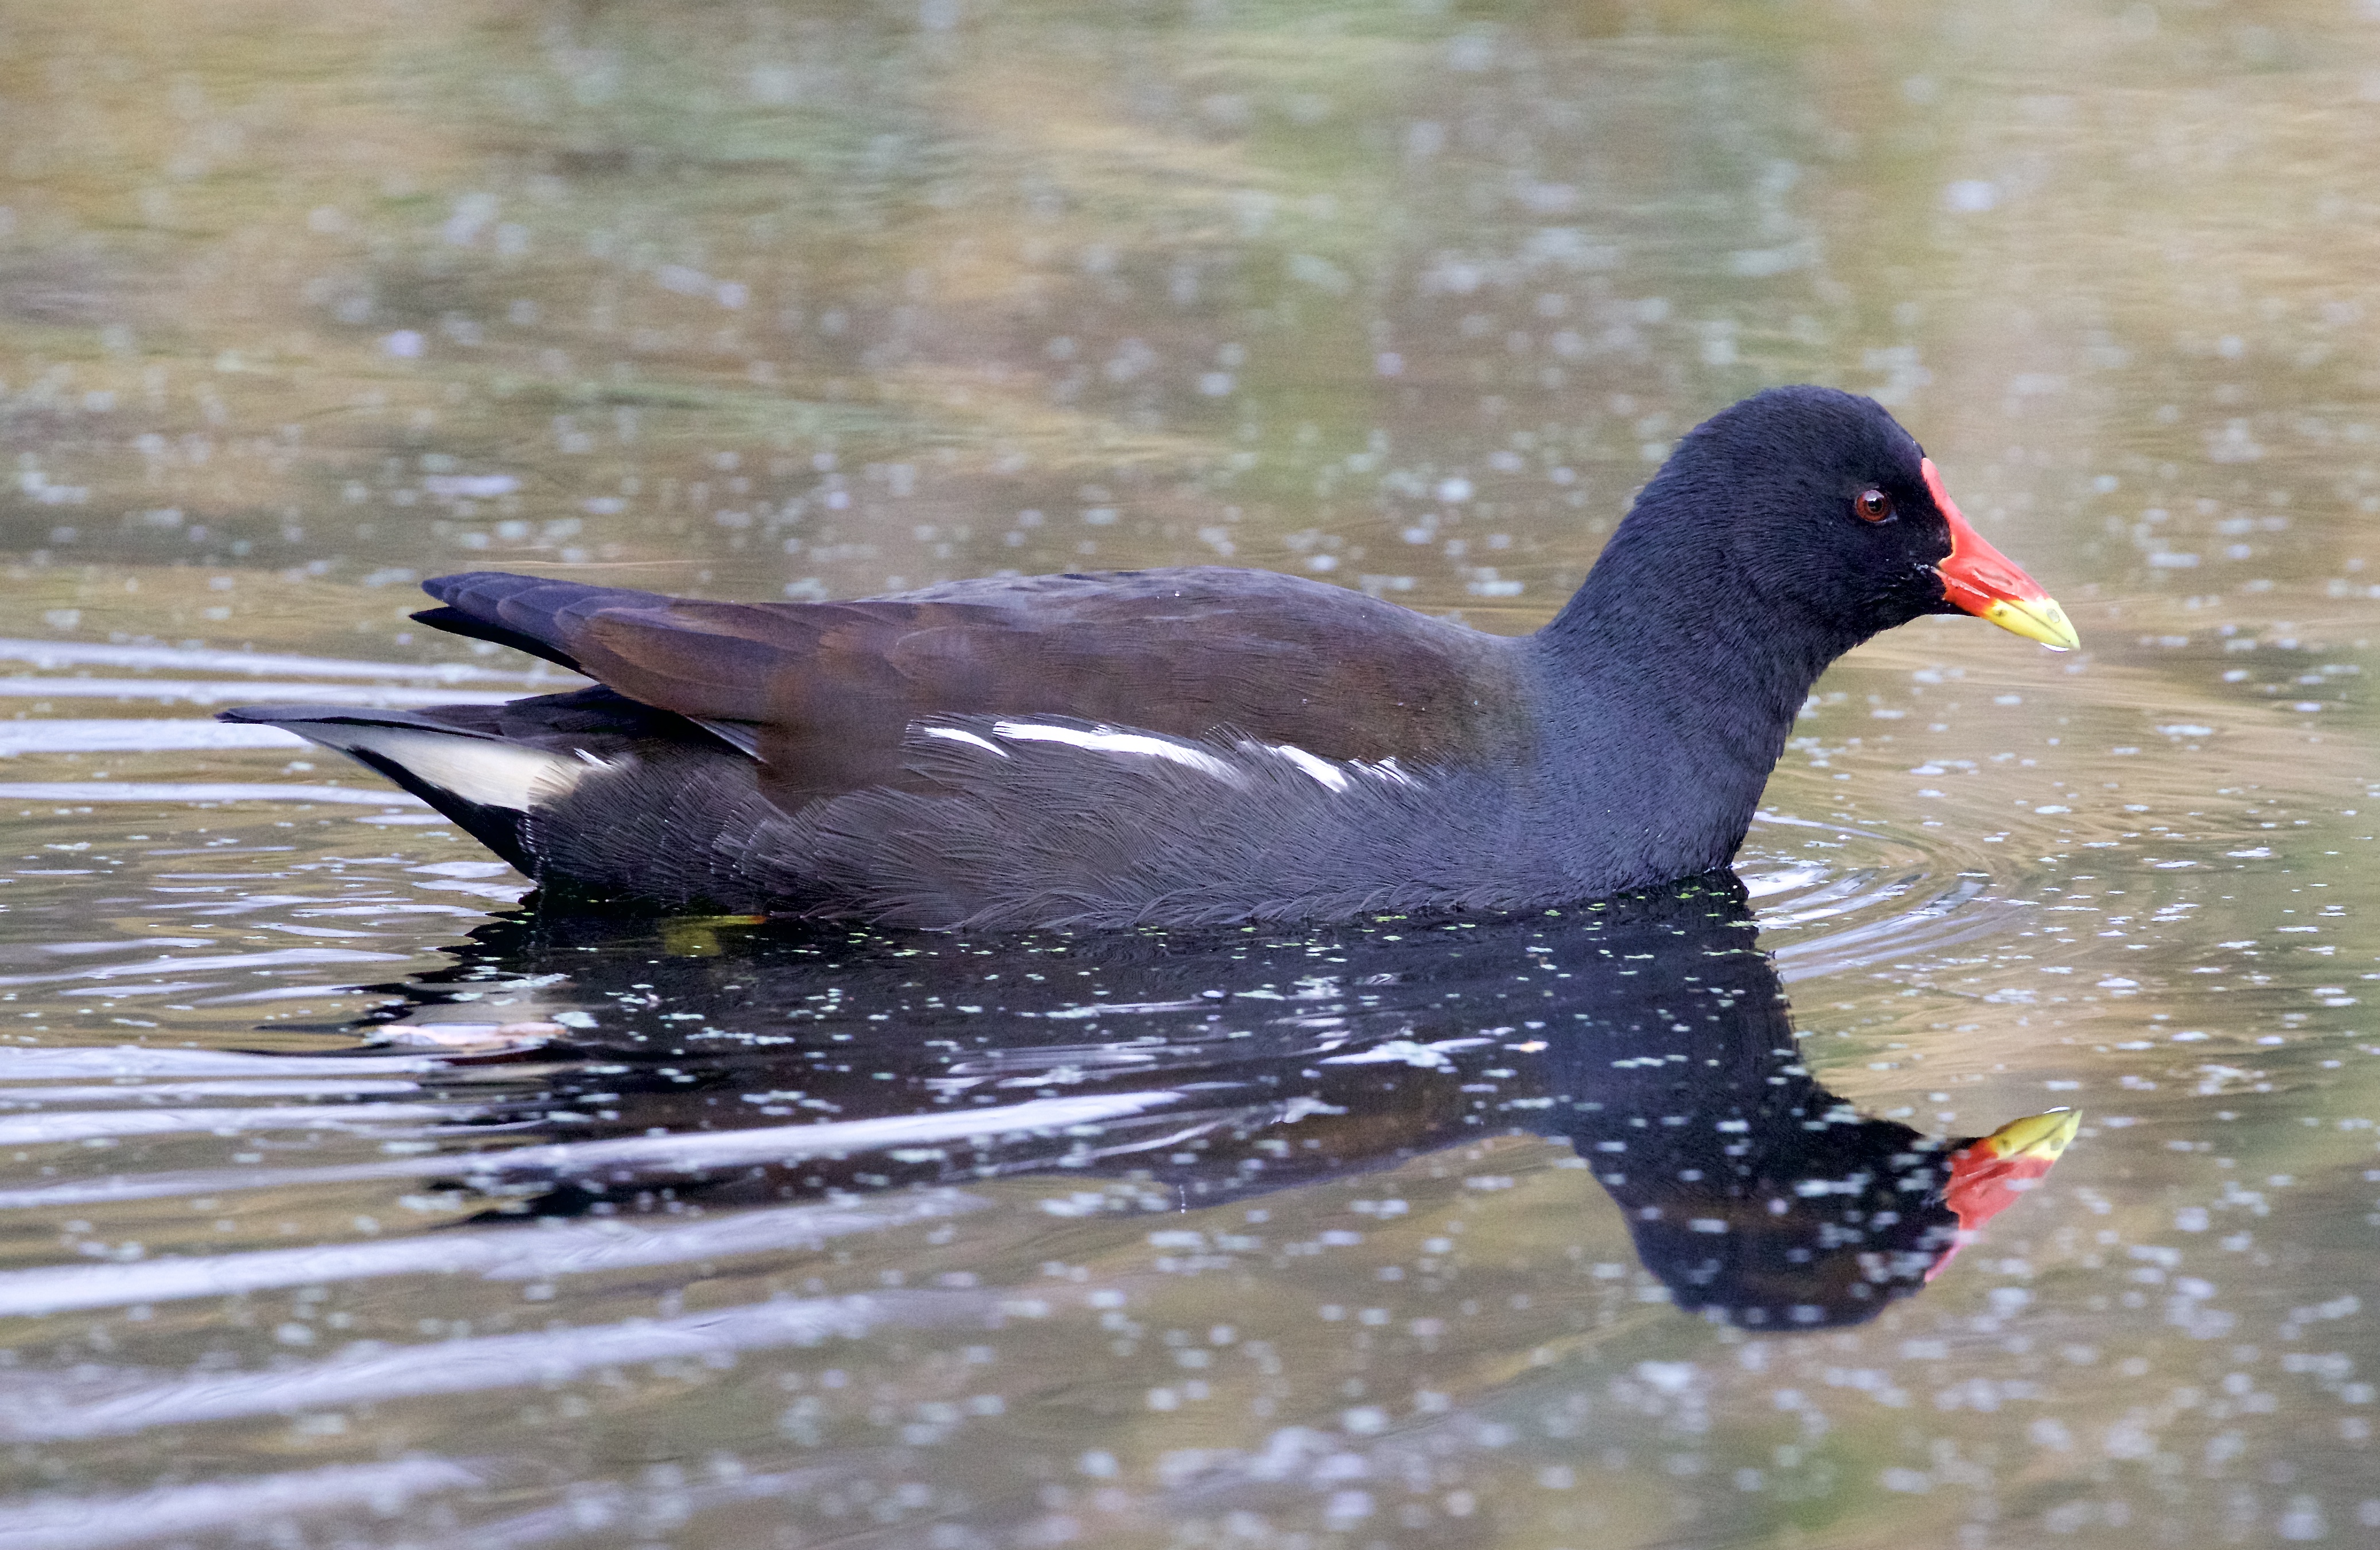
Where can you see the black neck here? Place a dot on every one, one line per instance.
(1685, 688)
(1685, 628)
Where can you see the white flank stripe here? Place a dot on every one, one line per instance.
(1320, 768)
(954, 735)
(1107, 740)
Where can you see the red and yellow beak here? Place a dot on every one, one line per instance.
(1987, 1176)
(1985, 582)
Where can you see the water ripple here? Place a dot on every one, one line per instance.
(495, 1253)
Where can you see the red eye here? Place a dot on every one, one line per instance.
(1872, 506)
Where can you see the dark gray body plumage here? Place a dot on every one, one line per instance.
(1187, 745)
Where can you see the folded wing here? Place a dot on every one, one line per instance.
(823, 693)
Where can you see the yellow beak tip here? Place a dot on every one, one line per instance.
(2035, 619)
(2043, 1135)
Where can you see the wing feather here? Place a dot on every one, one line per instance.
(830, 689)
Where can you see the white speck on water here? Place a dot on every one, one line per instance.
(1970, 196)
(473, 212)
(2303, 1520)
(468, 486)
(1319, 273)
(1667, 1377)
(464, 868)
(2233, 443)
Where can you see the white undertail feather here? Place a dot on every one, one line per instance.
(480, 770)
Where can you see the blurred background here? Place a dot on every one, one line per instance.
(820, 300)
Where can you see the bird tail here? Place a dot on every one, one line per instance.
(486, 784)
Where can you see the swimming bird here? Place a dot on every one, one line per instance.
(1201, 744)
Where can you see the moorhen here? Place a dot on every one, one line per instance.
(1202, 744)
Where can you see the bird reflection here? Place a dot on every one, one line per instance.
(739, 1061)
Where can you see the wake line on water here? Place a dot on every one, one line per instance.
(67, 653)
(199, 790)
(204, 692)
(94, 1522)
(696, 1153)
(513, 1253)
(374, 1374)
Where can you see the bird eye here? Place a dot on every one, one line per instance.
(1872, 506)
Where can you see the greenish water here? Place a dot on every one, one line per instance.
(343, 1204)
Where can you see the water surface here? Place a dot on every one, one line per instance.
(348, 1203)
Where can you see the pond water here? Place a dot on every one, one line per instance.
(345, 1202)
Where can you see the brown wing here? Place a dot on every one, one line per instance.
(830, 687)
